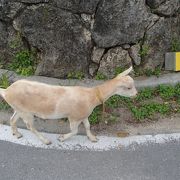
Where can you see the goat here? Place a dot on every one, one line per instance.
(30, 98)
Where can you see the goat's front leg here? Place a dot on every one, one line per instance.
(13, 121)
(88, 131)
(29, 120)
(74, 129)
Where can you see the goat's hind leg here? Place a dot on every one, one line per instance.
(29, 120)
(13, 121)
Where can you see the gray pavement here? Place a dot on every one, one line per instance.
(152, 162)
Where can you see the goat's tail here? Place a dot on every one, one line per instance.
(2, 92)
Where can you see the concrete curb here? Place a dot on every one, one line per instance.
(140, 82)
(81, 143)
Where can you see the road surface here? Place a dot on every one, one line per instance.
(138, 162)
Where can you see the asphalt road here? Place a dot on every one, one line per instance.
(152, 162)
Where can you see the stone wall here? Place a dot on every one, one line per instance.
(89, 36)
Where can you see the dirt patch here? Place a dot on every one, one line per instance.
(125, 123)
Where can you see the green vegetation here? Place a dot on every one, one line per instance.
(163, 100)
(16, 42)
(118, 70)
(148, 72)
(96, 115)
(148, 110)
(144, 50)
(4, 105)
(166, 92)
(4, 82)
(23, 63)
(75, 75)
(145, 94)
(100, 76)
(175, 44)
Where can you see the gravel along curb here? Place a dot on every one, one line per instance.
(82, 143)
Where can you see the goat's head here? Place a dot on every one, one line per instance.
(125, 84)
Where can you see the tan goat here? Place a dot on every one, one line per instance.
(29, 99)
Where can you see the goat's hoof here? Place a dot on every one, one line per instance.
(18, 135)
(94, 139)
(47, 142)
(61, 138)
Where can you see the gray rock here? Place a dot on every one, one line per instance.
(126, 46)
(15, 44)
(85, 6)
(72, 36)
(10, 43)
(14, 40)
(97, 54)
(86, 18)
(114, 58)
(154, 3)
(89, 20)
(8, 9)
(120, 22)
(3, 42)
(62, 40)
(32, 1)
(165, 8)
(93, 67)
(12, 76)
(3, 35)
(159, 39)
(134, 54)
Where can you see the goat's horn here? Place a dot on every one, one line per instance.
(126, 72)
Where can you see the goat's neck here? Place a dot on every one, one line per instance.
(105, 90)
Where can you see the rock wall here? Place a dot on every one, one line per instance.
(89, 36)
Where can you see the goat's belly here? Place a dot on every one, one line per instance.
(50, 116)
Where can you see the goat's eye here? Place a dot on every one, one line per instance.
(129, 88)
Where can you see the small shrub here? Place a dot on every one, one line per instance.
(144, 94)
(144, 50)
(118, 70)
(113, 101)
(157, 71)
(166, 91)
(175, 44)
(177, 90)
(148, 72)
(100, 76)
(75, 75)
(95, 116)
(148, 110)
(4, 105)
(16, 42)
(23, 63)
(4, 82)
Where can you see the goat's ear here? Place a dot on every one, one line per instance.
(124, 73)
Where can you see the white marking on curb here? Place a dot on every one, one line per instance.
(81, 142)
